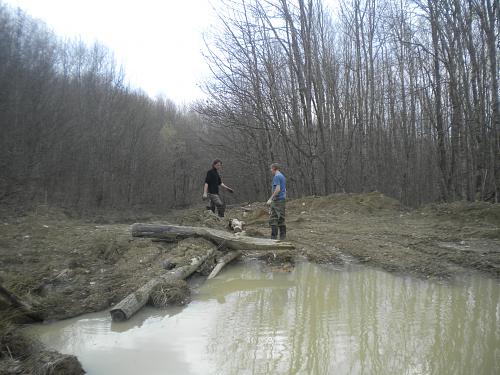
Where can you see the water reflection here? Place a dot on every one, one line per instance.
(312, 321)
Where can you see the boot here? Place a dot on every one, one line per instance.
(274, 232)
(282, 232)
(220, 211)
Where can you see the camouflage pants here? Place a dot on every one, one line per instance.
(214, 201)
(277, 213)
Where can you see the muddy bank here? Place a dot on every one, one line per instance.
(436, 241)
(66, 266)
(22, 355)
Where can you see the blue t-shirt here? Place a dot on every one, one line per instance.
(280, 180)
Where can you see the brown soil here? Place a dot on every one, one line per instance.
(66, 266)
(437, 241)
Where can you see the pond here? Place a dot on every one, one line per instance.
(313, 320)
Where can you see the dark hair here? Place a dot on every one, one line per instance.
(216, 161)
(275, 166)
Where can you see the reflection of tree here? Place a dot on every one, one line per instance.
(71, 335)
(147, 314)
(363, 322)
(240, 286)
(247, 332)
(319, 321)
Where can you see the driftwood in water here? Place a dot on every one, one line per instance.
(134, 301)
(16, 302)
(220, 237)
(222, 262)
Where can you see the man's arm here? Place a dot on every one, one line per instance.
(274, 194)
(205, 191)
(227, 187)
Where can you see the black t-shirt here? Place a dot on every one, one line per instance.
(213, 180)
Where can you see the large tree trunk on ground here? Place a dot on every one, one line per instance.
(134, 301)
(222, 262)
(220, 237)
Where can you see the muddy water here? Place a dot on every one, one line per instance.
(314, 320)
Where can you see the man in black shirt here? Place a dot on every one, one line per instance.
(211, 188)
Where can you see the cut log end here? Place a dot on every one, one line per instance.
(236, 225)
(117, 315)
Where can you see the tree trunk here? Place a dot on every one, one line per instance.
(229, 257)
(134, 301)
(221, 238)
(440, 127)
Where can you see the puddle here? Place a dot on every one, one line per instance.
(314, 320)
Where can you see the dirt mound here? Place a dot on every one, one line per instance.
(345, 203)
(200, 216)
(255, 214)
(476, 212)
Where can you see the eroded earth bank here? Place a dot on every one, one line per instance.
(63, 267)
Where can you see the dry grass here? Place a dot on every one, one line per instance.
(170, 293)
(16, 350)
(21, 354)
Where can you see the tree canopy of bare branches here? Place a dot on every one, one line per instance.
(400, 97)
(73, 134)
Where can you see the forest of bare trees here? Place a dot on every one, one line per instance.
(73, 134)
(396, 96)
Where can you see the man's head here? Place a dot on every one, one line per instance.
(275, 167)
(217, 164)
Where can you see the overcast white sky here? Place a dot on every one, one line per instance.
(159, 42)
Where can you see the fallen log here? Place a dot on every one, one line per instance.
(220, 237)
(222, 262)
(134, 301)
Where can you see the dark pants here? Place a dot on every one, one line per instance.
(277, 214)
(216, 201)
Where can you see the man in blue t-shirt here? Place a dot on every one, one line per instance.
(277, 203)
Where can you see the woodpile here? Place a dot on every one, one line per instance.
(232, 242)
